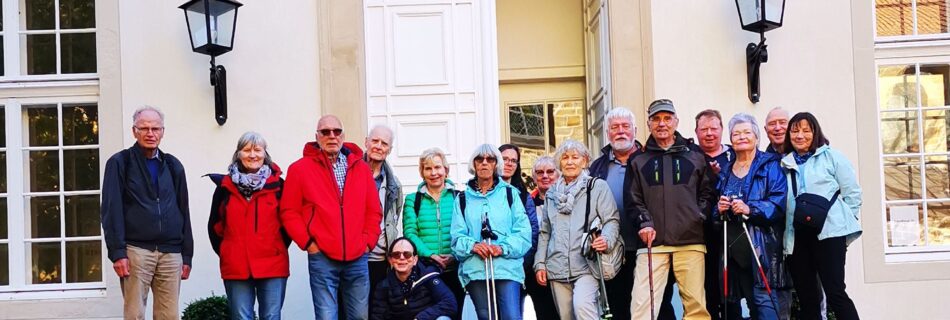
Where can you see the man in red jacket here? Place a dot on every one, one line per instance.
(331, 209)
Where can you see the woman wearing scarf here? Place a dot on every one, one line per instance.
(752, 188)
(245, 231)
(814, 168)
(559, 262)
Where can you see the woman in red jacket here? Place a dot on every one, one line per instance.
(246, 233)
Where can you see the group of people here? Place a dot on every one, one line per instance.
(610, 235)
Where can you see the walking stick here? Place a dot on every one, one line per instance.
(650, 266)
(725, 266)
(606, 314)
(765, 280)
(487, 236)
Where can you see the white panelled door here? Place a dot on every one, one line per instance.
(431, 75)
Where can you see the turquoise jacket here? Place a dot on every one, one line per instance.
(824, 173)
(510, 224)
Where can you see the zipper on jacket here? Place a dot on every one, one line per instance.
(656, 170)
(161, 219)
(677, 170)
(342, 220)
(438, 219)
(255, 214)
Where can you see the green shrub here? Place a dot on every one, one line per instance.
(210, 308)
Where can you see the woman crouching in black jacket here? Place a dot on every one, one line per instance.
(411, 290)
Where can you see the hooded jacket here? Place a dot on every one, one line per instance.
(510, 224)
(246, 233)
(430, 229)
(135, 212)
(562, 235)
(824, 173)
(670, 191)
(423, 296)
(343, 227)
(764, 191)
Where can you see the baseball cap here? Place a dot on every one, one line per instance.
(661, 105)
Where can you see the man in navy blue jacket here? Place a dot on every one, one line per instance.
(145, 220)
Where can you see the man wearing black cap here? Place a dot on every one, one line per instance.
(670, 192)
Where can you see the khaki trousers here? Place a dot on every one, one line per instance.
(160, 272)
(689, 269)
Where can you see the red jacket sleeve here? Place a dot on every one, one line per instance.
(291, 204)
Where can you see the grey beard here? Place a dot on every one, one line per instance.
(621, 146)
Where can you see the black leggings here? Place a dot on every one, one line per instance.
(825, 259)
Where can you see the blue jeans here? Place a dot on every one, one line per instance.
(269, 294)
(508, 296)
(327, 277)
(763, 308)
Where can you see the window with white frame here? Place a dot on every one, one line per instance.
(50, 235)
(914, 118)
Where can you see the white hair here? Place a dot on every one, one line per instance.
(741, 118)
(138, 113)
(392, 136)
(486, 150)
(619, 113)
(568, 146)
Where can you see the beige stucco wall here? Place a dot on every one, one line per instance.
(698, 54)
(540, 39)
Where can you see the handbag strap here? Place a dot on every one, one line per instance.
(590, 185)
(794, 174)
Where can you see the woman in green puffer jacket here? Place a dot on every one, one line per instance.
(427, 219)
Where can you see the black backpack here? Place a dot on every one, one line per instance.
(461, 196)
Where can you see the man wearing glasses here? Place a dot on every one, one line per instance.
(670, 191)
(146, 221)
(331, 209)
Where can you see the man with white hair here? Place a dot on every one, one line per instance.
(146, 221)
(620, 128)
(379, 143)
(776, 123)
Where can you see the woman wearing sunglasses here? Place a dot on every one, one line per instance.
(494, 256)
(411, 290)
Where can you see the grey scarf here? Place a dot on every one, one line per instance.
(562, 195)
(248, 183)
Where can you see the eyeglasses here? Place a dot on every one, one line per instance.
(548, 172)
(510, 160)
(144, 130)
(401, 255)
(480, 159)
(326, 132)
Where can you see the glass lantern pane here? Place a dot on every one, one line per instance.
(83, 261)
(750, 11)
(78, 52)
(773, 10)
(77, 14)
(45, 263)
(222, 27)
(196, 25)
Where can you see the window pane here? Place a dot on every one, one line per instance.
(44, 171)
(933, 83)
(44, 217)
(83, 261)
(77, 14)
(905, 225)
(4, 232)
(899, 132)
(894, 17)
(936, 135)
(3, 114)
(2, 71)
(526, 125)
(569, 122)
(45, 263)
(3, 172)
(42, 127)
(931, 16)
(40, 54)
(39, 14)
(80, 125)
(82, 216)
(4, 265)
(938, 177)
(938, 220)
(902, 178)
(81, 169)
(78, 53)
(897, 87)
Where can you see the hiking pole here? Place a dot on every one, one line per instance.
(487, 236)
(650, 266)
(725, 265)
(606, 314)
(765, 280)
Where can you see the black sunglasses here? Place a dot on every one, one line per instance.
(401, 255)
(480, 159)
(326, 132)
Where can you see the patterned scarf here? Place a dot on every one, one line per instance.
(563, 195)
(248, 183)
(801, 158)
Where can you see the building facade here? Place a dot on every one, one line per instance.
(453, 74)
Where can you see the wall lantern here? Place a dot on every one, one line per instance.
(211, 25)
(758, 16)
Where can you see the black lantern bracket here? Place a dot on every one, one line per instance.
(755, 56)
(219, 80)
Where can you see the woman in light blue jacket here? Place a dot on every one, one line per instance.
(814, 168)
(490, 201)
